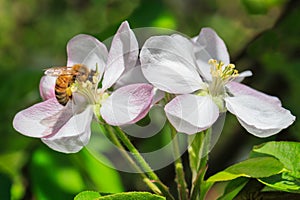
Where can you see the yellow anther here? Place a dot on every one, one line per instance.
(95, 79)
(212, 61)
(219, 71)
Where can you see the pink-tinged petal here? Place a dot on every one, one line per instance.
(74, 135)
(40, 119)
(128, 104)
(259, 116)
(262, 133)
(209, 46)
(238, 89)
(168, 63)
(133, 76)
(87, 50)
(191, 113)
(123, 54)
(130, 44)
(47, 86)
(242, 76)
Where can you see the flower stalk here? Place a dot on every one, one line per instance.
(144, 165)
(112, 137)
(180, 177)
(198, 152)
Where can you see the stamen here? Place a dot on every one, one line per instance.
(226, 73)
(220, 76)
(87, 89)
(95, 79)
(73, 87)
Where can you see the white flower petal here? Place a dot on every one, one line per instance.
(259, 116)
(131, 76)
(131, 46)
(168, 63)
(209, 46)
(262, 133)
(213, 45)
(73, 135)
(47, 85)
(128, 104)
(87, 50)
(191, 113)
(242, 76)
(183, 126)
(238, 89)
(41, 119)
(194, 39)
(123, 54)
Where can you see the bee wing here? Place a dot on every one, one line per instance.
(57, 71)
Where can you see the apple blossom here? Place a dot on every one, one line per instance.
(198, 71)
(67, 128)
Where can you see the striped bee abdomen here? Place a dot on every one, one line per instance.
(62, 88)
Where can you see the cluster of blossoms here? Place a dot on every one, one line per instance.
(126, 82)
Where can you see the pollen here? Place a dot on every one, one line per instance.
(226, 73)
(69, 91)
(73, 88)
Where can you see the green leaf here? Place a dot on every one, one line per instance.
(284, 182)
(90, 195)
(254, 167)
(233, 188)
(288, 153)
(87, 195)
(251, 190)
(132, 196)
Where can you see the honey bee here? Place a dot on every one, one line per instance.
(66, 76)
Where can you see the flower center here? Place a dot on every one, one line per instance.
(86, 85)
(218, 70)
(216, 87)
(220, 76)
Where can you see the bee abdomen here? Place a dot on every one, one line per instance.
(62, 85)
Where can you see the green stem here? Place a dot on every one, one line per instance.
(199, 186)
(181, 183)
(144, 165)
(197, 191)
(114, 139)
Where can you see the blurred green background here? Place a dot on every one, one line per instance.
(261, 35)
